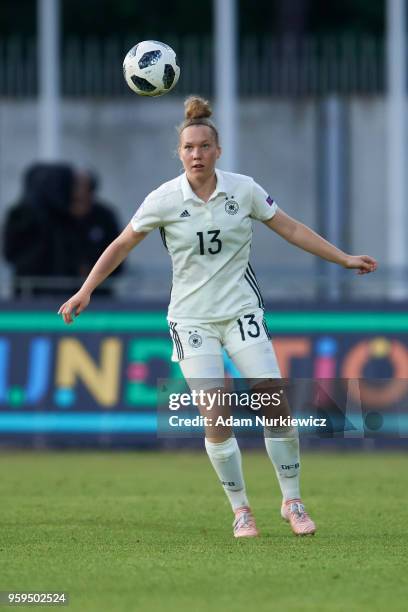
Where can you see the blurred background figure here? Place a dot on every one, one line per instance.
(92, 226)
(56, 231)
(31, 242)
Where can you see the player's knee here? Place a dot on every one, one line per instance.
(280, 431)
(265, 382)
(275, 406)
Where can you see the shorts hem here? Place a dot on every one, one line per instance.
(177, 360)
(243, 348)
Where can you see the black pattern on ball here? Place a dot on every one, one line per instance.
(168, 76)
(149, 58)
(142, 84)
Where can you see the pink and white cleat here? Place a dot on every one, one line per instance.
(244, 524)
(293, 511)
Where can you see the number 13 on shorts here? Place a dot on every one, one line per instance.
(191, 338)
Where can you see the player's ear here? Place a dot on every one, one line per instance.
(219, 151)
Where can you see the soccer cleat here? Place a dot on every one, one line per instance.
(244, 524)
(293, 511)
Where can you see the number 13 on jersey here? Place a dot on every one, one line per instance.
(205, 243)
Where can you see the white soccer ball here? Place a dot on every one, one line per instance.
(151, 68)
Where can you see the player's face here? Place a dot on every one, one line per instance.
(198, 150)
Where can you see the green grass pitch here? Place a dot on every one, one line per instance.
(152, 532)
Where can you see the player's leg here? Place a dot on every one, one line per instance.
(256, 360)
(205, 372)
(221, 446)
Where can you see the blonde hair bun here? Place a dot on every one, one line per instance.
(196, 108)
(197, 111)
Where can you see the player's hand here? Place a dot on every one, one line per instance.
(364, 264)
(74, 306)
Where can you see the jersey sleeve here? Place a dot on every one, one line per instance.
(147, 217)
(263, 206)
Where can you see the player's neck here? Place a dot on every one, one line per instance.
(203, 187)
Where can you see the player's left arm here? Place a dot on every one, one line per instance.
(305, 238)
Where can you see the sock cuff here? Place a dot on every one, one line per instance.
(222, 450)
(292, 434)
(288, 439)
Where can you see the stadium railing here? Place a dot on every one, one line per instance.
(278, 66)
(285, 283)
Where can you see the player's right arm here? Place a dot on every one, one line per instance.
(110, 259)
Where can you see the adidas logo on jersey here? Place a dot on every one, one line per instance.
(185, 213)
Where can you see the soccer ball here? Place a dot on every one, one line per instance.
(151, 68)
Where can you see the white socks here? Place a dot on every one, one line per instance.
(284, 454)
(226, 460)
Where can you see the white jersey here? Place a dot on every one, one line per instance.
(209, 244)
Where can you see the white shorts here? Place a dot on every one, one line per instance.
(193, 339)
(254, 363)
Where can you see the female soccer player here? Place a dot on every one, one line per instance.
(205, 219)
